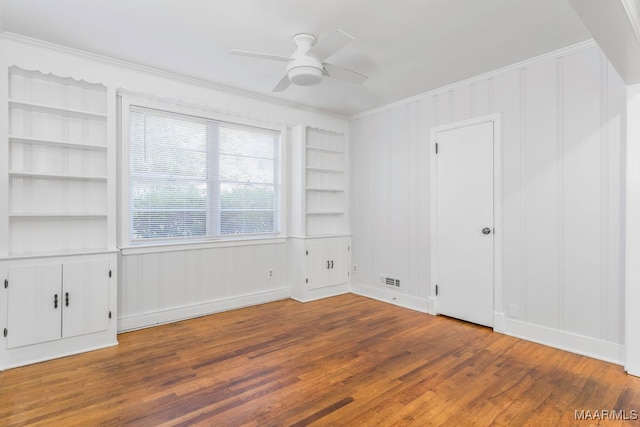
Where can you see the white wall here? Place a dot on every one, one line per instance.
(157, 286)
(562, 170)
(632, 279)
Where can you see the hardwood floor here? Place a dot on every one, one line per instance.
(346, 360)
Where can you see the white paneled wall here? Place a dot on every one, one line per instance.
(160, 287)
(562, 171)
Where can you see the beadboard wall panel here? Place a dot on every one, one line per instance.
(169, 286)
(562, 171)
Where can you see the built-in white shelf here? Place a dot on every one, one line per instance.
(57, 214)
(56, 176)
(326, 170)
(54, 109)
(47, 254)
(325, 190)
(319, 177)
(54, 143)
(325, 213)
(323, 150)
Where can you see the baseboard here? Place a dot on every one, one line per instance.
(393, 297)
(499, 324)
(432, 305)
(320, 293)
(574, 343)
(579, 344)
(202, 309)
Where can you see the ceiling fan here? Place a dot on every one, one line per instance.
(306, 65)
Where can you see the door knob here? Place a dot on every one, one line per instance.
(486, 230)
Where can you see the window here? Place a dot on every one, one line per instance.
(194, 177)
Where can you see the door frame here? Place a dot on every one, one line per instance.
(498, 305)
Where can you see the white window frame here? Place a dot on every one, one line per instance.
(125, 103)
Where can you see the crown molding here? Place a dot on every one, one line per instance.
(587, 44)
(195, 81)
(631, 8)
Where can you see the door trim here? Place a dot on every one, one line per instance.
(498, 306)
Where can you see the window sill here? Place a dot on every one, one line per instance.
(200, 244)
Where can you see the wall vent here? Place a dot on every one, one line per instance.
(390, 281)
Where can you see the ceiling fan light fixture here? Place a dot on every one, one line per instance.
(306, 66)
(305, 75)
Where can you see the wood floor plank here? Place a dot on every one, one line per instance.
(346, 360)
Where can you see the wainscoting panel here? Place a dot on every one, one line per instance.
(168, 286)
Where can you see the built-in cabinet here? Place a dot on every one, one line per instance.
(320, 249)
(319, 267)
(57, 217)
(49, 302)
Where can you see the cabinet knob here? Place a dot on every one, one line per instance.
(328, 264)
(55, 301)
(66, 299)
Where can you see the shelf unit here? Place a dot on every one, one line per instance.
(58, 159)
(325, 183)
(319, 222)
(58, 256)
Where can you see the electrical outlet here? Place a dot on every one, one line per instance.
(355, 268)
(270, 273)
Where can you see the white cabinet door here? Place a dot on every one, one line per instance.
(339, 256)
(314, 263)
(327, 262)
(34, 304)
(85, 298)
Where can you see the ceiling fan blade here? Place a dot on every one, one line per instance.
(282, 84)
(330, 45)
(345, 74)
(261, 55)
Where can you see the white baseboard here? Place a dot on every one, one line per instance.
(574, 343)
(320, 293)
(587, 346)
(432, 305)
(499, 324)
(197, 310)
(390, 296)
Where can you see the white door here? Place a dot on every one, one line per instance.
(464, 266)
(34, 304)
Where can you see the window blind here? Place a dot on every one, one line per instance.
(193, 177)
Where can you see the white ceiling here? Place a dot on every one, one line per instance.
(406, 47)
